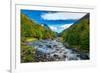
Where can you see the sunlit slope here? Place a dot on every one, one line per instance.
(30, 28)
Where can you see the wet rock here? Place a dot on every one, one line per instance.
(49, 46)
(40, 46)
(64, 56)
(85, 57)
(52, 50)
(55, 56)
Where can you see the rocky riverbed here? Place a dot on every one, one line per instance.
(53, 50)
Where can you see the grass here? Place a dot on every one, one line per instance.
(27, 54)
(30, 39)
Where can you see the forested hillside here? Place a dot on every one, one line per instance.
(77, 36)
(30, 28)
(31, 31)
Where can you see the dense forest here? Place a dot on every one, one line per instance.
(76, 36)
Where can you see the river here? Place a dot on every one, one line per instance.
(53, 50)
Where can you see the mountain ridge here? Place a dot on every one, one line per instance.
(77, 36)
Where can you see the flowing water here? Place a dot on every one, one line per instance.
(53, 50)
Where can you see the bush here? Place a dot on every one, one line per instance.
(27, 54)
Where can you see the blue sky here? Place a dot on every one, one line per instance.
(56, 20)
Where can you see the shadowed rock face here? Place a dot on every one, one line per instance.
(52, 50)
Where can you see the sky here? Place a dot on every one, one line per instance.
(56, 20)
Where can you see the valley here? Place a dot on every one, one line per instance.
(40, 44)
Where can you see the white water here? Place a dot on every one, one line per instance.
(56, 50)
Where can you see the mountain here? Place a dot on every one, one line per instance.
(46, 26)
(77, 35)
(30, 28)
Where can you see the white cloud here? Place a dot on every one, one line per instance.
(59, 28)
(62, 16)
